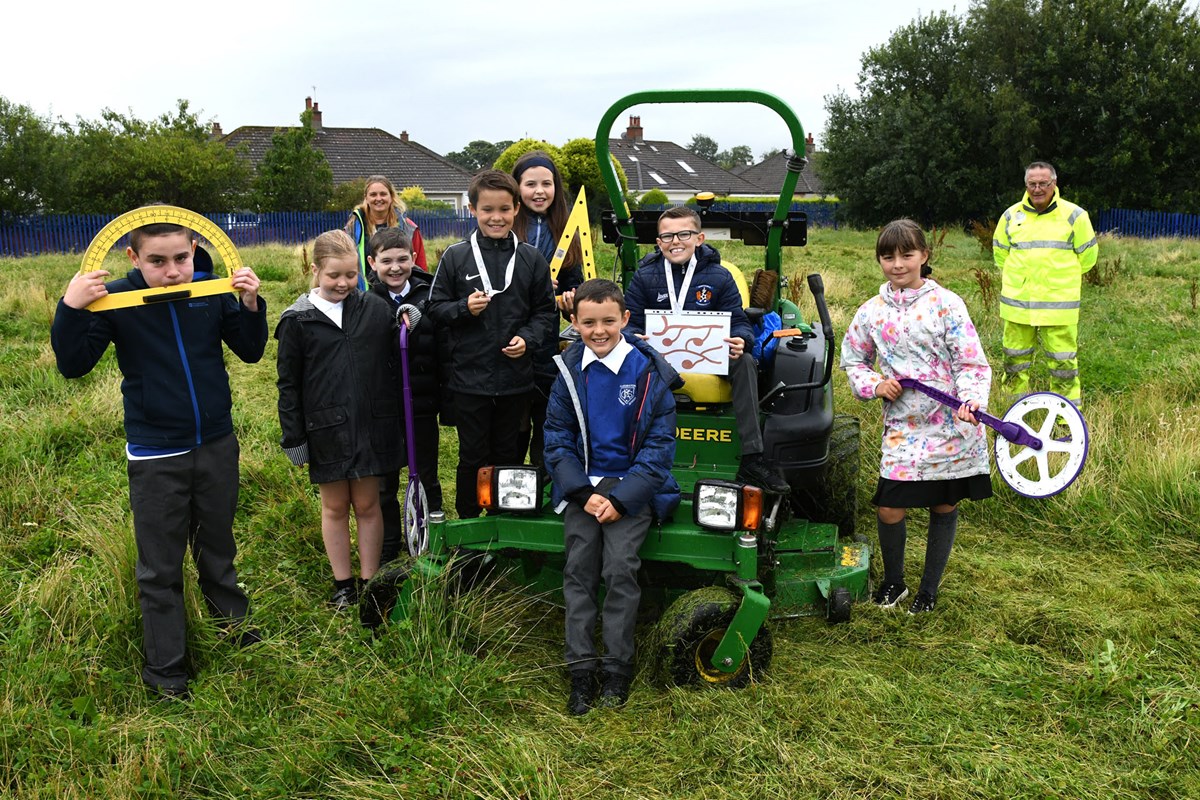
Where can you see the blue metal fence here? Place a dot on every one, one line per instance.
(71, 233)
(1147, 224)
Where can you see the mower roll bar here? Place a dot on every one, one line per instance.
(627, 247)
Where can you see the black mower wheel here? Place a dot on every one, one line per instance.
(689, 632)
(830, 494)
(378, 597)
(838, 607)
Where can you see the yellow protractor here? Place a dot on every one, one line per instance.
(577, 222)
(110, 234)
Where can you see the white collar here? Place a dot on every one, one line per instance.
(614, 359)
(403, 291)
(321, 303)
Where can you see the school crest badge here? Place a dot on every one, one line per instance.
(625, 395)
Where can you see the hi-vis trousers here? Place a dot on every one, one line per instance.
(1059, 342)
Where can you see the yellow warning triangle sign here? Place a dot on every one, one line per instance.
(577, 223)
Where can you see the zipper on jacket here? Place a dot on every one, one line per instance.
(187, 370)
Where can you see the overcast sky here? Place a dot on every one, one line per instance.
(448, 72)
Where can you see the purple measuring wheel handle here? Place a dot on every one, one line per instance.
(1017, 434)
(408, 405)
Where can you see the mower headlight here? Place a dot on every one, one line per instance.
(726, 506)
(509, 488)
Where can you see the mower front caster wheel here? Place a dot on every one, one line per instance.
(838, 607)
(689, 632)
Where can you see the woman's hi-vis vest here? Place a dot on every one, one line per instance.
(361, 240)
(1042, 258)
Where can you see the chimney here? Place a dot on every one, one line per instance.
(217, 133)
(308, 104)
(316, 116)
(810, 146)
(634, 131)
(404, 136)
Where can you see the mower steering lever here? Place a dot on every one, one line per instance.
(1017, 434)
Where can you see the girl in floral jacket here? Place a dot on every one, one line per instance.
(933, 456)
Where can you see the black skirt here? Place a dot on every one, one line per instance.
(923, 494)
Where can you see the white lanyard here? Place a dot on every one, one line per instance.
(483, 273)
(677, 301)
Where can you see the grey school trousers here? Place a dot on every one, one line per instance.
(596, 551)
(177, 501)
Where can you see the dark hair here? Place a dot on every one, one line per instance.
(681, 212)
(494, 180)
(138, 235)
(901, 236)
(388, 239)
(599, 290)
(559, 209)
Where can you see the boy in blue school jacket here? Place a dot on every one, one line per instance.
(181, 448)
(612, 475)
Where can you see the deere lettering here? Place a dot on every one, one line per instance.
(703, 435)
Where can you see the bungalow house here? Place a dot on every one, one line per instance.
(676, 171)
(358, 152)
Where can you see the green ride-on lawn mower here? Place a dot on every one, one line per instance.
(731, 557)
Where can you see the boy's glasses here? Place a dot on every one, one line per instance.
(683, 236)
(1038, 185)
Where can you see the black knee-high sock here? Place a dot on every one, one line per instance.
(891, 546)
(937, 549)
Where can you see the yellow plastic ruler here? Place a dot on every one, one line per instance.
(110, 234)
(576, 223)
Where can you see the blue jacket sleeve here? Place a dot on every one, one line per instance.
(635, 302)
(731, 300)
(78, 338)
(564, 443)
(243, 330)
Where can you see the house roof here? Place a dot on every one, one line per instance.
(359, 152)
(768, 175)
(676, 169)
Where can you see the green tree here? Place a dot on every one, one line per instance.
(579, 162)
(30, 169)
(120, 162)
(703, 146)
(950, 110)
(479, 154)
(294, 175)
(347, 195)
(414, 199)
(508, 159)
(739, 156)
(654, 197)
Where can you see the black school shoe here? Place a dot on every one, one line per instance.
(614, 692)
(583, 692)
(170, 694)
(344, 598)
(757, 472)
(924, 602)
(889, 595)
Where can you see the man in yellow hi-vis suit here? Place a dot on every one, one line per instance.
(1043, 245)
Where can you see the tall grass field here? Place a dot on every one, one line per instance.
(1063, 660)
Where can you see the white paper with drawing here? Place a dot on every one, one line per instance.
(691, 341)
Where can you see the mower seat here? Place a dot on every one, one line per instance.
(703, 389)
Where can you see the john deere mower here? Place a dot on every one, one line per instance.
(732, 557)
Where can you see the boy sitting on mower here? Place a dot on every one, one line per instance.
(612, 476)
(684, 274)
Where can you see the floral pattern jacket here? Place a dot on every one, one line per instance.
(927, 334)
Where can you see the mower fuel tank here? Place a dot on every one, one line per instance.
(798, 421)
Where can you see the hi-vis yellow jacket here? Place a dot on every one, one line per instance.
(1042, 258)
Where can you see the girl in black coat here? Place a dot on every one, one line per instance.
(338, 406)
